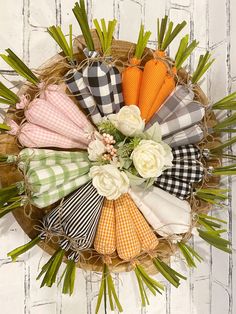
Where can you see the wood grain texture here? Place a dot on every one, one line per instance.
(210, 288)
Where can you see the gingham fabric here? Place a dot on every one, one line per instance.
(44, 178)
(174, 186)
(183, 118)
(180, 97)
(80, 228)
(145, 234)
(62, 102)
(167, 214)
(56, 194)
(186, 152)
(76, 85)
(127, 241)
(105, 240)
(33, 157)
(32, 135)
(191, 135)
(188, 170)
(116, 83)
(44, 114)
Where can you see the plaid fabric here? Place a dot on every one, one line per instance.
(56, 194)
(105, 240)
(183, 118)
(76, 85)
(166, 213)
(44, 178)
(188, 170)
(145, 234)
(80, 228)
(127, 241)
(62, 102)
(186, 152)
(33, 157)
(190, 135)
(174, 186)
(32, 135)
(116, 83)
(44, 114)
(181, 96)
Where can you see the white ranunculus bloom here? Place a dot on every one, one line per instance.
(151, 158)
(109, 181)
(95, 149)
(128, 120)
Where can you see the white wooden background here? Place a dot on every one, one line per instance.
(210, 288)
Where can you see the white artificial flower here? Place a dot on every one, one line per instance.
(151, 158)
(96, 149)
(128, 120)
(109, 181)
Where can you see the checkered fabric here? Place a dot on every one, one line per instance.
(180, 97)
(116, 83)
(186, 152)
(32, 135)
(145, 234)
(76, 85)
(33, 157)
(58, 98)
(105, 240)
(45, 115)
(188, 170)
(191, 135)
(183, 118)
(44, 178)
(127, 240)
(174, 186)
(56, 194)
(80, 228)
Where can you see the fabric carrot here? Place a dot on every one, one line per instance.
(184, 51)
(132, 75)
(155, 70)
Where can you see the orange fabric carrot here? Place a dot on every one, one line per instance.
(168, 86)
(105, 240)
(155, 70)
(132, 75)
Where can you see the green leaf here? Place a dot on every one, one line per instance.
(4, 127)
(7, 96)
(228, 102)
(142, 42)
(23, 248)
(69, 278)
(134, 180)
(224, 145)
(153, 133)
(189, 254)
(184, 51)
(204, 63)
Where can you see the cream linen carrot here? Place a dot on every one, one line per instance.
(155, 70)
(132, 75)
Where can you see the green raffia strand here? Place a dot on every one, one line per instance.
(60, 38)
(143, 38)
(189, 254)
(19, 66)
(81, 16)
(105, 34)
(7, 209)
(226, 103)
(7, 96)
(51, 268)
(220, 147)
(145, 280)
(24, 248)
(204, 63)
(7, 193)
(213, 196)
(226, 170)
(231, 120)
(184, 51)
(170, 274)
(4, 127)
(107, 286)
(69, 278)
(210, 232)
(167, 35)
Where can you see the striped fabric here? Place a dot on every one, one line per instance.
(105, 240)
(80, 229)
(127, 240)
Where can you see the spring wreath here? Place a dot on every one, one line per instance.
(111, 158)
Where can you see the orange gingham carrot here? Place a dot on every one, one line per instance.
(127, 241)
(146, 236)
(105, 240)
